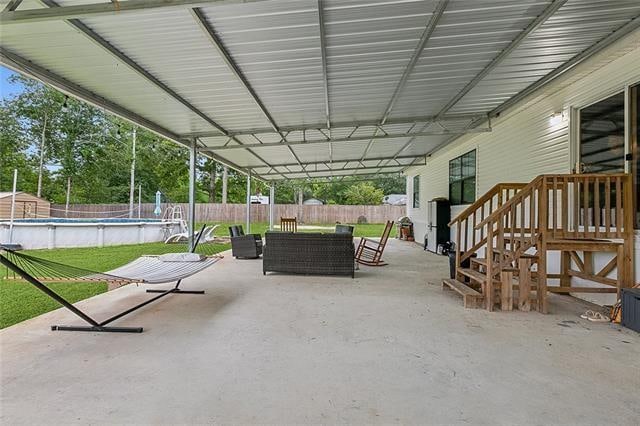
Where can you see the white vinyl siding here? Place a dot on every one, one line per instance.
(523, 142)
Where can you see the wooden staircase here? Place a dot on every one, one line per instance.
(503, 240)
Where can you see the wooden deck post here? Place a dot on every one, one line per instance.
(488, 286)
(524, 286)
(565, 265)
(543, 217)
(627, 273)
(506, 291)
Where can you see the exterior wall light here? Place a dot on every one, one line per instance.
(556, 118)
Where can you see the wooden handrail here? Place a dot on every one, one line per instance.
(512, 201)
(553, 210)
(484, 198)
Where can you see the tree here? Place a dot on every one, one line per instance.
(391, 184)
(39, 106)
(13, 148)
(364, 193)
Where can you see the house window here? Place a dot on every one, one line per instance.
(416, 191)
(602, 146)
(602, 136)
(462, 179)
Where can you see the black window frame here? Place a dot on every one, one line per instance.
(462, 178)
(416, 192)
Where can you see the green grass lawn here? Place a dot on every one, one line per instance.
(20, 300)
(361, 230)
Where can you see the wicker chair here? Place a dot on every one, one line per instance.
(308, 253)
(369, 252)
(344, 229)
(244, 246)
(289, 224)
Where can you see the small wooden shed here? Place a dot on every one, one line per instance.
(27, 206)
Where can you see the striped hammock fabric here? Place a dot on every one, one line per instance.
(145, 269)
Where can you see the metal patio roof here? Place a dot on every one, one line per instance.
(292, 89)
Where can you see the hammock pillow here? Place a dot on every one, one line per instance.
(181, 257)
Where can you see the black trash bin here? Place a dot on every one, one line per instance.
(452, 264)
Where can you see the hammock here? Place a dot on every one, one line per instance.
(146, 269)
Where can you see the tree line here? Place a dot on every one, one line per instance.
(67, 151)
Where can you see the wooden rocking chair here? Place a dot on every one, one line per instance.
(369, 251)
(289, 224)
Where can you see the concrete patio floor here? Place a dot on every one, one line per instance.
(387, 347)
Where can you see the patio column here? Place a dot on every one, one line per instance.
(248, 202)
(272, 202)
(191, 223)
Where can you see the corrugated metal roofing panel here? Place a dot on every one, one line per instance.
(468, 36)
(277, 45)
(368, 46)
(170, 45)
(572, 29)
(56, 46)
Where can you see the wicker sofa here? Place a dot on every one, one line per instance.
(308, 253)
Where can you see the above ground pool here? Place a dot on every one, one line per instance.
(63, 232)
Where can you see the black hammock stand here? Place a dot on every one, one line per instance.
(144, 270)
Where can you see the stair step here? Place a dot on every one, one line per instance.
(479, 260)
(512, 253)
(483, 262)
(473, 274)
(470, 297)
(506, 252)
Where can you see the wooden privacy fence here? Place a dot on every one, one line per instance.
(215, 212)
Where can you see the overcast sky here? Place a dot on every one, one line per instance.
(7, 89)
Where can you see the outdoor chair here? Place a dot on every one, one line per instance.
(289, 224)
(344, 229)
(369, 251)
(244, 246)
(183, 237)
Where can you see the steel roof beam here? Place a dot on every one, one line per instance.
(348, 169)
(344, 124)
(426, 35)
(202, 21)
(351, 139)
(12, 5)
(101, 9)
(630, 26)
(548, 12)
(25, 67)
(340, 161)
(323, 53)
(340, 178)
(104, 44)
(395, 166)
